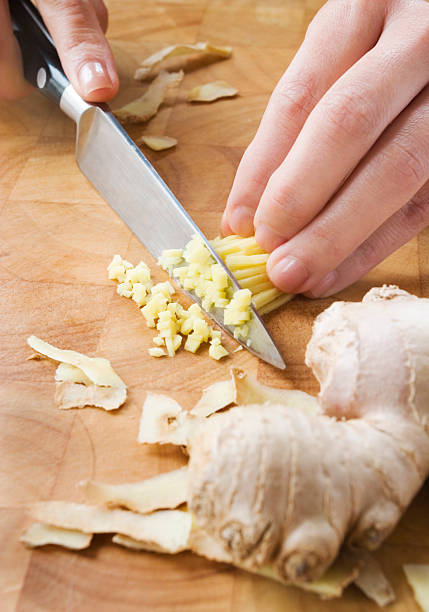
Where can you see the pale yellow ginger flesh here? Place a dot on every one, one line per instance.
(215, 397)
(163, 421)
(145, 107)
(151, 62)
(418, 579)
(81, 380)
(168, 529)
(247, 261)
(158, 143)
(209, 92)
(164, 491)
(69, 373)
(175, 324)
(133, 544)
(72, 395)
(41, 534)
(248, 390)
(196, 270)
(278, 486)
(97, 369)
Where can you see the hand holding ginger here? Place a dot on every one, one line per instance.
(336, 177)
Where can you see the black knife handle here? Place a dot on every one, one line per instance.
(42, 66)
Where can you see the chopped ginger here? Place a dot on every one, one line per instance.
(156, 351)
(237, 311)
(170, 318)
(117, 268)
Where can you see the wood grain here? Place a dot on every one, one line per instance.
(56, 239)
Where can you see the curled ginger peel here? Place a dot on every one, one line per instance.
(287, 488)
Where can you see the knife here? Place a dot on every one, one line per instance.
(116, 167)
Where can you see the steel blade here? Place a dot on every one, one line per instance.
(126, 180)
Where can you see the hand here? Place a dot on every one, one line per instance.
(336, 177)
(77, 27)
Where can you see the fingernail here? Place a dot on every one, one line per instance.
(289, 274)
(240, 219)
(93, 76)
(266, 238)
(322, 288)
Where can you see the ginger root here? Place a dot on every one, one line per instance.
(284, 485)
(277, 486)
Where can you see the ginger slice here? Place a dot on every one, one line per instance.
(215, 397)
(145, 107)
(163, 421)
(156, 351)
(75, 395)
(155, 59)
(418, 578)
(137, 545)
(276, 303)
(209, 92)
(168, 529)
(68, 373)
(164, 491)
(248, 390)
(41, 534)
(372, 581)
(98, 370)
(158, 143)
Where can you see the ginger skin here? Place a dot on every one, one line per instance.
(276, 486)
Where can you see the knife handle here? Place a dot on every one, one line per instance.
(42, 66)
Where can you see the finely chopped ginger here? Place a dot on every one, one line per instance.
(195, 269)
(172, 321)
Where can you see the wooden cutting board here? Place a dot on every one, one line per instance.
(57, 237)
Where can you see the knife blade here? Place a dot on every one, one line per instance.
(118, 170)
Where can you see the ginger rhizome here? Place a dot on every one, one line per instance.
(283, 484)
(275, 485)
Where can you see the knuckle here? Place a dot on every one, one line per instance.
(366, 256)
(282, 211)
(348, 113)
(416, 214)
(407, 166)
(295, 98)
(102, 13)
(81, 45)
(328, 245)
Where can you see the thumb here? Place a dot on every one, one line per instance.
(83, 49)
